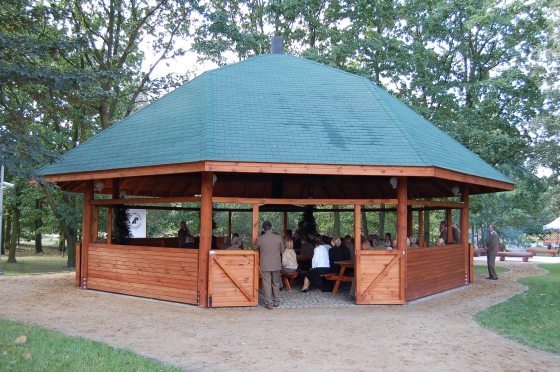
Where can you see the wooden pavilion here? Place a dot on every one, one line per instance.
(276, 130)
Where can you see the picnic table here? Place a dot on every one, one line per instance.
(341, 277)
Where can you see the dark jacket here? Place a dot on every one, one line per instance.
(336, 254)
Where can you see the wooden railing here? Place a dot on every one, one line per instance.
(434, 269)
(161, 273)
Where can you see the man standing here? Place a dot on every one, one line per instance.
(492, 252)
(271, 247)
(182, 233)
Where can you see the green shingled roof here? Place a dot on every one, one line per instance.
(274, 108)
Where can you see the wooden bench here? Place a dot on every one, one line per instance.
(551, 252)
(477, 252)
(289, 279)
(524, 255)
(337, 279)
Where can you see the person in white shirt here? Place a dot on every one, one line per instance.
(319, 265)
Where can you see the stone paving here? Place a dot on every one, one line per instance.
(314, 298)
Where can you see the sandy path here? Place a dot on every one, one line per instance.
(437, 334)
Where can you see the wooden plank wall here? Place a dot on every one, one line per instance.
(434, 269)
(223, 291)
(161, 273)
(373, 267)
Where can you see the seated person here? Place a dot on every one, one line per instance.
(440, 242)
(378, 245)
(348, 243)
(190, 242)
(289, 261)
(413, 242)
(306, 248)
(182, 233)
(387, 241)
(227, 243)
(319, 265)
(394, 244)
(237, 235)
(335, 254)
(345, 251)
(235, 244)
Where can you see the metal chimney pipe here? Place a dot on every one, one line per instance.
(277, 45)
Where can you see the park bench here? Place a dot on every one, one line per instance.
(551, 252)
(525, 255)
(479, 252)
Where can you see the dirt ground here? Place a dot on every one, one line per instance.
(434, 334)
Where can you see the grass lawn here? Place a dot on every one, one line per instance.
(531, 317)
(35, 265)
(46, 350)
(484, 269)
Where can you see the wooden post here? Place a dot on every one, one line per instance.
(255, 223)
(229, 223)
(465, 230)
(285, 222)
(115, 190)
(109, 225)
(86, 231)
(205, 236)
(95, 232)
(408, 221)
(420, 229)
(357, 227)
(449, 219)
(402, 200)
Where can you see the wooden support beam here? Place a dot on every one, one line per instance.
(465, 231)
(95, 232)
(255, 233)
(219, 199)
(431, 203)
(182, 199)
(229, 223)
(408, 221)
(109, 225)
(420, 228)
(205, 236)
(86, 231)
(449, 219)
(357, 227)
(402, 196)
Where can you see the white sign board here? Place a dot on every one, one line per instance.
(137, 222)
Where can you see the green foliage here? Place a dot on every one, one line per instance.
(121, 225)
(531, 317)
(46, 350)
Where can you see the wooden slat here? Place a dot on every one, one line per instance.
(177, 199)
(432, 203)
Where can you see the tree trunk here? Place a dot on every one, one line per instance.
(8, 237)
(336, 227)
(68, 232)
(364, 225)
(16, 224)
(38, 225)
(382, 222)
(427, 227)
(3, 237)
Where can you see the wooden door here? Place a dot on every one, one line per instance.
(233, 278)
(379, 277)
